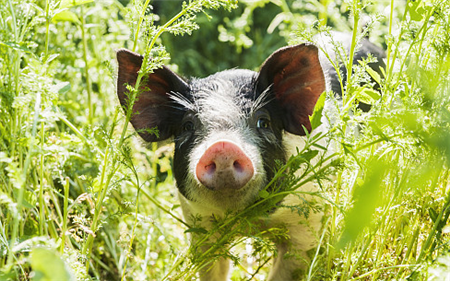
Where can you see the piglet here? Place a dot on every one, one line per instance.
(229, 131)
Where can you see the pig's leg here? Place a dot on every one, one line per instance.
(218, 271)
(292, 260)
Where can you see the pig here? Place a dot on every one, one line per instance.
(229, 130)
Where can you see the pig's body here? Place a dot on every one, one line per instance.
(229, 130)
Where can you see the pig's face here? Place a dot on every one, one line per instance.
(228, 127)
(228, 140)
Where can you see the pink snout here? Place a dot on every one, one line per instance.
(224, 166)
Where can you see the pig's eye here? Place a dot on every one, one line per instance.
(188, 126)
(263, 123)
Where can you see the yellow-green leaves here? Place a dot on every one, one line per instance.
(72, 3)
(48, 266)
(367, 95)
(418, 9)
(64, 14)
(366, 198)
(315, 118)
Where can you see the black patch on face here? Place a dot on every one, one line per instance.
(271, 145)
(186, 136)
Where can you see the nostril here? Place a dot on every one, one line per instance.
(237, 166)
(211, 168)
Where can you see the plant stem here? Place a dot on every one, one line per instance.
(86, 66)
(47, 26)
(99, 203)
(64, 224)
(138, 28)
(23, 177)
(41, 184)
(311, 267)
(356, 15)
(323, 13)
(130, 244)
(41, 172)
(389, 43)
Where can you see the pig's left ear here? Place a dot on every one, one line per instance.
(154, 106)
(297, 80)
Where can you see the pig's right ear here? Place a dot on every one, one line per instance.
(296, 80)
(154, 106)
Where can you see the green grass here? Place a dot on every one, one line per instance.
(82, 198)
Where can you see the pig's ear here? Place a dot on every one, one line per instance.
(296, 80)
(154, 106)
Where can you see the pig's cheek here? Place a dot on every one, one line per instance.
(194, 158)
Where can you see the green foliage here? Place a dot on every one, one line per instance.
(41, 259)
(82, 199)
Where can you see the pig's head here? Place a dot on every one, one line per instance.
(228, 127)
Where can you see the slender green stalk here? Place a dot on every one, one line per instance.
(23, 177)
(41, 184)
(47, 26)
(130, 244)
(285, 7)
(356, 15)
(362, 276)
(363, 252)
(154, 164)
(425, 247)
(64, 224)
(80, 134)
(390, 41)
(347, 262)
(16, 56)
(99, 203)
(334, 222)
(42, 157)
(323, 12)
(313, 262)
(86, 66)
(138, 27)
(103, 186)
(164, 209)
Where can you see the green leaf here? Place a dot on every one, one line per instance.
(367, 197)
(316, 117)
(196, 230)
(66, 15)
(47, 265)
(4, 157)
(263, 194)
(61, 88)
(375, 76)
(71, 3)
(433, 214)
(310, 154)
(18, 47)
(417, 10)
(29, 199)
(367, 95)
(96, 185)
(50, 58)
